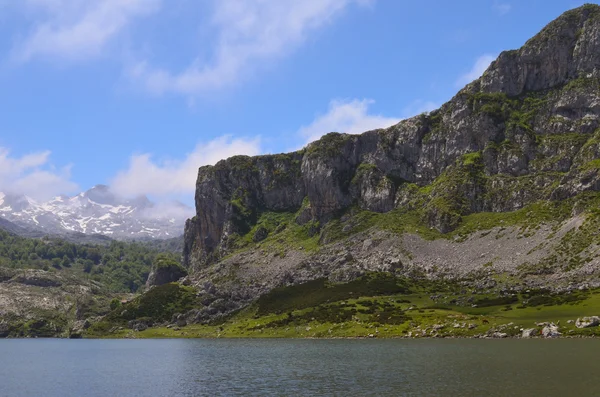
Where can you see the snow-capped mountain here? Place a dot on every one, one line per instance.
(97, 211)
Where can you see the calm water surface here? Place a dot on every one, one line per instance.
(299, 367)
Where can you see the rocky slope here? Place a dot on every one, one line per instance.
(36, 303)
(50, 287)
(498, 188)
(96, 211)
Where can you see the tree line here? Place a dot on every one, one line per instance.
(121, 266)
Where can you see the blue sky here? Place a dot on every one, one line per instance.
(139, 93)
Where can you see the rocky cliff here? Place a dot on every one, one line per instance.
(502, 179)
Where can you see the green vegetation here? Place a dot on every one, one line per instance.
(582, 83)
(239, 163)
(515, 112)
(167, 261)
(328, 145)
(414, 308)
(592, 165)
(282, 231)
(46, 325)
(320, 291)
(472, 159)
(157, 305)
(123, 267)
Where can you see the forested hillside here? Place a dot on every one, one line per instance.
(121, 266)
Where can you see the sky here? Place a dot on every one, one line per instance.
(137, 94)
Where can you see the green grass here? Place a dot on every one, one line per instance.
(320, 291)
(397, 315)
(592, 165)
(155, 306)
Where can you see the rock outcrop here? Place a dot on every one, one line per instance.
(500, 183)
(527, 130)
(165, 271)
(38, 303)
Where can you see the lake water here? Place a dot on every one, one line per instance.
(450, 367)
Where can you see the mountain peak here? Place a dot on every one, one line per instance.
(565, 49)
(17, 202)
(101, 194)
(95, 211)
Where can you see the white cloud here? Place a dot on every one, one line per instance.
(167, 210)
(350, 117)
(33, 175)
(480, 66)
(176, 177)
(501, 8)
(78, 29)
(249, 33)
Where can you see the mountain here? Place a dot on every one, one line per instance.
(478, 219)
(97, 211)
(496, 190)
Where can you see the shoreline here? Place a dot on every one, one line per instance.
(308, 337)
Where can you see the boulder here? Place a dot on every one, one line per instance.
(138, 325)
(260, 234)
(587, 322)
(529, 333)
(181, 321)
(165, 271)
(550, 331)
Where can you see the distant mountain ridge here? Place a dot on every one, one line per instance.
(95, 211)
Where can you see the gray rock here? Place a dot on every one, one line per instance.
(36, 279)
(529, 333)
(587, 322)
(79, 326)
(260, 234)
(164, 272)
(4, 329)
(181, 321)
(550, 331)
(138, 325)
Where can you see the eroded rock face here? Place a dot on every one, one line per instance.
(527, 130)
(37, 279)
(229, 195)
(565, 49)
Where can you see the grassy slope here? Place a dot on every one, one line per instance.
(321, 310)
(335, 312)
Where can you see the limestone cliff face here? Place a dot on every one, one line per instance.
(566, 49)
(230, 195)
(527, 130)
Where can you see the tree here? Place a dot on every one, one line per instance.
(115, 303)
(87, 265)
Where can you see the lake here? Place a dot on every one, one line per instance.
(283, 367)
